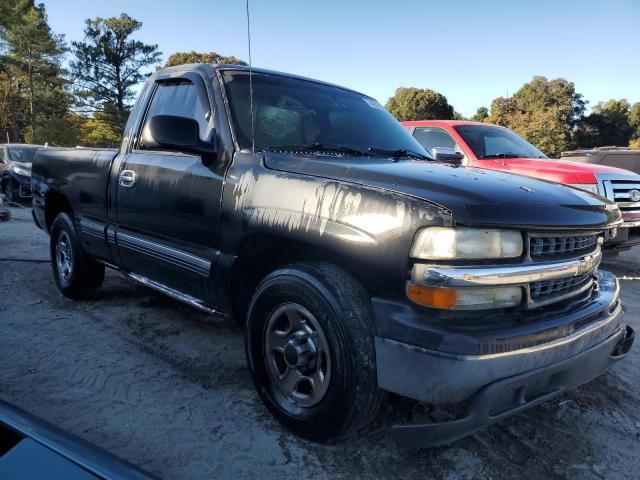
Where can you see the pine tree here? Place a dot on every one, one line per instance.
(108, 64)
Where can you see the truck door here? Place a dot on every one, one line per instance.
(168, 202)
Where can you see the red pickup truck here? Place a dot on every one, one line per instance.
(483, 145)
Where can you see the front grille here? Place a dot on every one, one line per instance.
(623, 193)
(551, 290)
(549, 248)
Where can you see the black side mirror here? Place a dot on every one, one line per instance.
(447, 155)
(182, 134)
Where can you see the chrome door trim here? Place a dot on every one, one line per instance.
(163, 253)
(90, 227)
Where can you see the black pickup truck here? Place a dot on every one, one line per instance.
(355, 262)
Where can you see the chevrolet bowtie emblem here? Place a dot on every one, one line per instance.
(586, 264)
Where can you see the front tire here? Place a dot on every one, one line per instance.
(76, 273)
(10, 190)
(310, 349)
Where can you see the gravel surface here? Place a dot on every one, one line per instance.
(167, 388)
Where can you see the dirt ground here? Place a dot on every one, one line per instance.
(167, 388)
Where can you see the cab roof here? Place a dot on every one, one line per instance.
(209, 68)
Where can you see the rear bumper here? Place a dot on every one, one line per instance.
(511, 395)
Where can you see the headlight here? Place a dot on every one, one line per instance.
(443, 243)
(465, 298)
(588, 187)
(21, 171)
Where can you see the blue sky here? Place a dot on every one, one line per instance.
(470, 51)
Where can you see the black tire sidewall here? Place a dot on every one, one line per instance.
(11, 191)
(325, 419)
(79, 283)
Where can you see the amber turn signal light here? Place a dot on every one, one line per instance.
(432, 297)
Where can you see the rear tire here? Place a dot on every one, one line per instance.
(309, 325)
(76, 273)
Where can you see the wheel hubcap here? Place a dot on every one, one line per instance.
(64, 259)
(297, 354)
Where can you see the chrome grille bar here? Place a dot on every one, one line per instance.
(562, 246)
(551, 291)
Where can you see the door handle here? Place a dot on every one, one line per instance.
(127, 178)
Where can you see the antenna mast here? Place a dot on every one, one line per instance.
(253, 137)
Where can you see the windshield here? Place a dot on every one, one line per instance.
(490, 141)
(22, 154)
(293, 112)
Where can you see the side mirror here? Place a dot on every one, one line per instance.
(182, 134)
(447, 155)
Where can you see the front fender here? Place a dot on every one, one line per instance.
(372, 227)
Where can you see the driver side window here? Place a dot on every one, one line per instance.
(180, 99)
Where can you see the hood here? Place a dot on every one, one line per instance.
(475, 197)
(562, 171)
(26, 166)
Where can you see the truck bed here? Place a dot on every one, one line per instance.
(80, 174)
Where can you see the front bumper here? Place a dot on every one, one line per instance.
(511, 395)
(22, 184)
(498, 372)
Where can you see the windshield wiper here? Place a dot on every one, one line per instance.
(319, 147)
(503, 155)
(401, 152)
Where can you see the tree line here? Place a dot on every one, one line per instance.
(87, 100)
(550, 114)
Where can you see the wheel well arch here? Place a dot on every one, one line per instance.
(55, 203)
(261, 254)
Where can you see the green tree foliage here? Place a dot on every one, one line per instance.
(34, 57)
(11, 11)
(481, 114)
(181, 58)
(419, 104)
(13, 109)
(33, 96)
(108, 65)
(608, 124)
(634, 121)
(13, 121)
(545, 112)
(94, 131)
